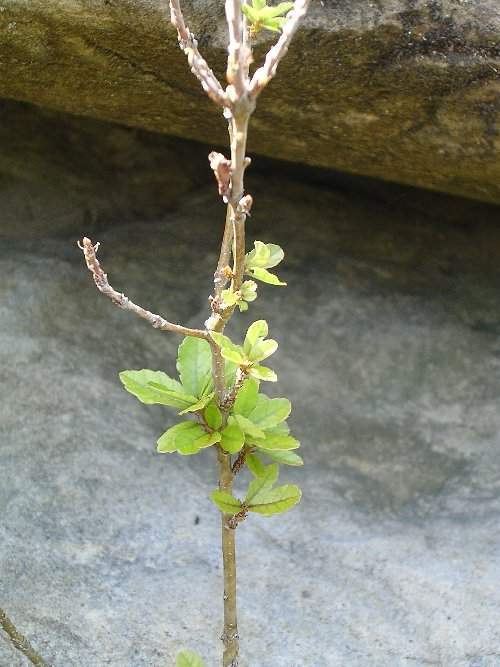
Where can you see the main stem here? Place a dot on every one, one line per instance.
(234, 235)
(230, 633)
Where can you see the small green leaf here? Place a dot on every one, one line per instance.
(270, 412)
(188, 659)
(156, 387)
(264, 275)
(262, 484)
(232, 439)
(258, 4)
(255, 465)
(251, 13)
(186, 438)
(279, 10)
(284, 457)
(243, 306)
(249, 290)
(276, 441)
(194, 364)
(246, 400)
(229, 297)
(264, 256)
(263, 373)
(275, 501)
(256, 331)
(249, 427)
(229, 350)
(199, 405)
(282, 429)
(213, 417)
(226, 502)
(275, 25)
(263, 349)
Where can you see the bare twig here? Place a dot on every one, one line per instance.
(198, 64)
(19, 641)
(102, 284)
(238, 51)
(264, 74)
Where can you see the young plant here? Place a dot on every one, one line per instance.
(218, 393)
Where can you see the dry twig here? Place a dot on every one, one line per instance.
(102, 284)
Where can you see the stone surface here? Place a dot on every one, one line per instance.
(404, 90)
(59, 172)
(389, 348)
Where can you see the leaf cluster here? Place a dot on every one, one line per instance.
(252, 421)
(266, 17)
(264, 256)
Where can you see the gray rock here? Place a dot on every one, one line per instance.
(404, 90)
(59, 172)
(389, 348)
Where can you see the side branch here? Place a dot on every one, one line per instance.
(199, 66)
(264, 74)
(102, 284)
(19, 641)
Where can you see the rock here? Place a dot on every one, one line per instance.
(403, 90)
(389, 349)
(59, 173)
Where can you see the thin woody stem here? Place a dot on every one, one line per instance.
(198, 64)
(264, 74)
(19, 641)
(220, 279)
(230, 635)
(102, 284)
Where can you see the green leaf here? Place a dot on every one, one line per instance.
(262, 484)
(270, 412)
(226, 502)
(232, 439)
(275, 501)
(284, 457)
(255, 465)
(258, 4)
(186, 438)
(256, 331)
(229, 297)
(213, 417)
(282, 429)
(249, 290)
(264, 256)
(263, 274)
(156, 387)
(263, 373)
(249, 427)
(263, 349)
(194, 364)
(251, 13)
(276, 441)
(188, 659)
(279, 10)
(229, 350)
(199, 405)
(246, 399)
(275, 25)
